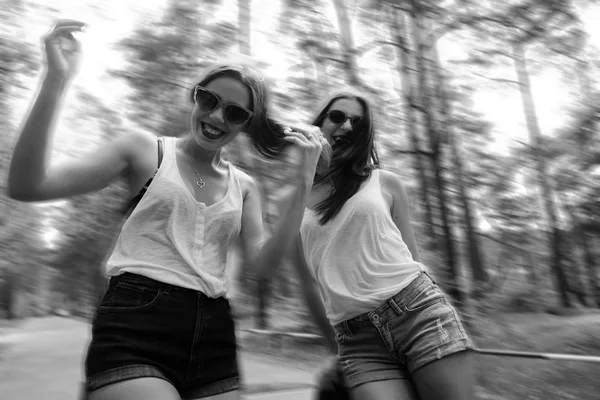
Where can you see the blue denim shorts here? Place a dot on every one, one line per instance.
(411, 329)
(145, 328)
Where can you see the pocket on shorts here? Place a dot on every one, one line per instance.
(126, 296)
(427, 296)
(340, 338)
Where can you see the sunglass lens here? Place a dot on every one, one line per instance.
(236, 115)
(337, 116)
(356, 122)
(206, 100)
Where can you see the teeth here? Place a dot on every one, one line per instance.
(212, 130)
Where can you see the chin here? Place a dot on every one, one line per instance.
(204, 139)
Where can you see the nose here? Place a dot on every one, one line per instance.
(217, 115)
(346, 126)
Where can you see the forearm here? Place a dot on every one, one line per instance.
(285, 230)
(32, 151)
(317, 309)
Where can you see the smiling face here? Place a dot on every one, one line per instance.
(210, 129)
(338, 133)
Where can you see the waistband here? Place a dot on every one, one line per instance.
(392, 306)
(166, 288)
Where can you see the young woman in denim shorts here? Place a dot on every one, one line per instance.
(164, 329)
(395, 333)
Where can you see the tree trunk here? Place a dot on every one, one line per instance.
(10, 293)
(400, 35)
(244, 18)
(262, 317)
(583, 257)
(476, 259)
(456, 291)
(347, 43)
(590, 267)
(560, 278)
(319, 66)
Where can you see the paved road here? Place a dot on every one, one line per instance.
(44, 360)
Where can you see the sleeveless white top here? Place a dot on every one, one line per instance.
(358, 258)
(172, 238)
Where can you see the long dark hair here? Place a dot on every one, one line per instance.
(265, 133)
(352, 162)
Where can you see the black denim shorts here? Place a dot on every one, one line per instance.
(145, 328)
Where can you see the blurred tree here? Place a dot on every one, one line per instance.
(476, 258)
(405, 66)
(17, 220)
(519, 26)
(244, 25)
(164, 58)
(417, 12)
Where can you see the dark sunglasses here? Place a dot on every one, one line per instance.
(208, 101)
(340, 117)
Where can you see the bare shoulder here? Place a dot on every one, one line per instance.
(137, 144)
(247, 182)
(140, 149)
(391, 181)
(393, 188)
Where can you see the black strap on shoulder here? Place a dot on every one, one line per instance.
(160, 153)
(134, 202)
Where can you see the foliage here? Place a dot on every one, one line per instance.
(167, 51)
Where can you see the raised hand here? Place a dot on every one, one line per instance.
(62, 49)
(308, 144)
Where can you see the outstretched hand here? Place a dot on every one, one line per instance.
(62, 49)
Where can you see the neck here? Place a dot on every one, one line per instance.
(199, 155)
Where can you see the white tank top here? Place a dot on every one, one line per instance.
(172, 238)
(358, 258)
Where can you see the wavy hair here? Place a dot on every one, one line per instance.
(352, 162)
(265, 133)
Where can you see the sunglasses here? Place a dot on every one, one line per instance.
(340, 117)
(208, 101)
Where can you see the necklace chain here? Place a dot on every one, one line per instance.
(200, 182)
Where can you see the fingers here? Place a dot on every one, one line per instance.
(63, 31)
(309, 131)
(60, 41)
(297, 138)
(62, 23)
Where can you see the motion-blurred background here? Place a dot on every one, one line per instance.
(489, 109)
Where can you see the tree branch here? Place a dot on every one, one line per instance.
(472, 20)
(415, 152)
(493, 239)
(499, 80)
(564, 53)
(376, 43)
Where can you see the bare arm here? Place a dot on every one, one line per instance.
(311, 294)
(264, 254)
(31, 177)
(252, 233)
(400, 210)
(263, 258)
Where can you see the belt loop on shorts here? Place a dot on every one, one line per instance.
(167, 289)
(346, 327)
(395, 306)
(430, 277)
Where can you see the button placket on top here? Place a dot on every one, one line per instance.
(198, 234)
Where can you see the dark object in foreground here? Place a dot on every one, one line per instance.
(332, 386)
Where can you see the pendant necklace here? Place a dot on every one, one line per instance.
(200, 182)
